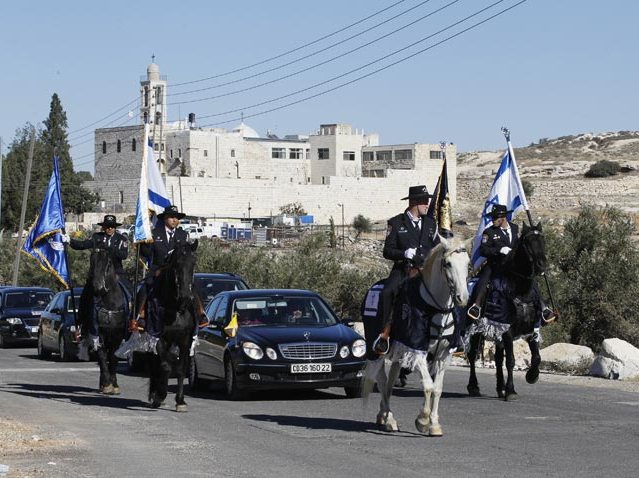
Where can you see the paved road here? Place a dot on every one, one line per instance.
(553, 430)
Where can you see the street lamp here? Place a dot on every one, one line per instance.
(343, 241)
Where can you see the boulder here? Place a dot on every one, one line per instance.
(567, 358)
(618, 359)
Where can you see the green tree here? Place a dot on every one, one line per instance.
(595, 277)
(293, 209)
(361, 224)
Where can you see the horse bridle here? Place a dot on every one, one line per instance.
(529, 255)
(449, 282)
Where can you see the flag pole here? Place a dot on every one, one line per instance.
(506, 133)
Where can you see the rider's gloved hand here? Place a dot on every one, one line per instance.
(410, 253)
(505, 250)
(65, 238)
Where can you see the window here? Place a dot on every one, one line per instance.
(291, 180)
(121, 197)
(368, 156)
(206, 153)
(232, 153)
(308, 154)
(384, 155)
(295, 153)
(119, 146)
(323, 180)
(171, 153)
(322, 153)
(278, 153)
(162, 147)
(436, 155)
(179, 152)
(146, 100)
(220, 313)
(349, 155)
(133, 145)
(146, 117)
(308, 180)
(258, 177)
(404, 154)
(103, 147)
(158, 95)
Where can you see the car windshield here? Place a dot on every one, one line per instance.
(27, 299)
(208, 287)
(289, 311)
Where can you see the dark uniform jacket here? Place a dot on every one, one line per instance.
(493, 239)
(402, 234)
(116, 244)
(158, 251)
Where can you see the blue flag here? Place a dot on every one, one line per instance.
(506, 190)
(44, 242)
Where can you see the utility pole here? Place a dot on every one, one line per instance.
(343, 239)
(25, 196)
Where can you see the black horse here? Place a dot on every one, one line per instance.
(171, 299)
(110, 304)
(513, 310)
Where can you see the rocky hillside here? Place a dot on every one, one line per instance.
(555, 168)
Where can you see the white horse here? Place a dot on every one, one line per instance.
(422, 333)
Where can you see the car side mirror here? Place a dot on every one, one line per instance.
(347, 321)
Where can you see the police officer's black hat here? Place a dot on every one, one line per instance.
(109, 221)
(171, 211)
(499, 210)
(418, 192)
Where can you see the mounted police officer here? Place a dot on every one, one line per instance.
(118, 247)
(409, 238)
(497, 242)
(166, 236)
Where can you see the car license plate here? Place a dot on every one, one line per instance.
(34, 329)
(311, 367)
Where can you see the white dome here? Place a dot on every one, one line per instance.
(153, 72)
(246, 131)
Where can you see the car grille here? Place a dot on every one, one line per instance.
(308, 350)
(31, 321)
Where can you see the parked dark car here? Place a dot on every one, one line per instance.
(208, 285)
(284, 339)
(20, 309)
(57, 327)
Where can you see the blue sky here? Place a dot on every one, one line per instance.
(545, 69)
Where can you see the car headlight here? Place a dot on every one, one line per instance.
(343, 352)
(252, 350)
(359, 348)
(14, 320)
(270, 353)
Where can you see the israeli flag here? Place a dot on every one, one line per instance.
(506, 190)
(152, 198)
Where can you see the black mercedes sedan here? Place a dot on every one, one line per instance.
(20, 309)
(57, 326)
(261, 339)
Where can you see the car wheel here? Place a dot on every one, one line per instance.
(195, 382)
(42, 352)
(230, 382)
(353, 392)
(62, 349)
(1, 341)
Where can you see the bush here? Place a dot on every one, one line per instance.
(603, 169)
(362, 224)
(529, 188)
(595, 278)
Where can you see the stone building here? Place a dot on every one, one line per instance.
(237, 173)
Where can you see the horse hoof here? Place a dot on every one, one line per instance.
(435, 431)
(181, 407)
(511, 397)
(391, 427)
(107, 390)
(473, 391)
(380, 420)
(116, 390)
(532, 376)
(422, 426)
(155, 404)
(501, 394)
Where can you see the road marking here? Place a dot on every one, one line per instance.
(634, 404)
(14, 370)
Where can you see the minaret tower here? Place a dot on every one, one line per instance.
(153, 96)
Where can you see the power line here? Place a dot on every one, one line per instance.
(219, 85)
(318, 64)
(106, 117)
(288, 52)
(272, 100)
(374, 71)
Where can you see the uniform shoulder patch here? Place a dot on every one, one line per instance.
(484, 238)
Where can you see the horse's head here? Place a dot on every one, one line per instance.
(454, 260)
(102, 272)
(182, 264)
(534, 244)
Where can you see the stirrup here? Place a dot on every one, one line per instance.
(548, 315)
(474, 312)
(381, 345)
